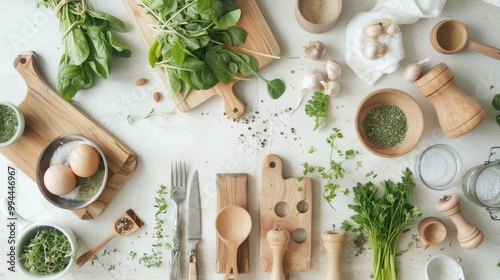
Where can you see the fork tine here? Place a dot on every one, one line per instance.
(171, 174)
(185, 176)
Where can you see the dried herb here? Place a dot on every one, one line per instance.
(8, 123)
(385, 125)
(89, 186)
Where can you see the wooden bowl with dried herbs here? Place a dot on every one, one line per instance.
(389, 122)
(72, 171)
(11, 124)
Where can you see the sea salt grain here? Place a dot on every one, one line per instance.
(488, 184)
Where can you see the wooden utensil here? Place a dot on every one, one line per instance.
(48, 116)
(260, 39)
(450, 36)
(457, 112)
(334, 243)
(233, 225)
(278, 239)
(468, 235)
(431, 232)
(126, 224)
(232, 190)
(281, 201)
(317, 16)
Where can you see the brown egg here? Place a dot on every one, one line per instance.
(59, 179)
(84, 160)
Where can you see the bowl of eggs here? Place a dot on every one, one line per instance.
(71, 171)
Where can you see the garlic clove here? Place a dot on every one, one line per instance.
(372, 50)
(374, 30)
(392, 29)
(312, 81)
(332, 88)
(315, 50)
(413, 71)
(333, 69)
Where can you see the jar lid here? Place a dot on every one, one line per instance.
(439, 167)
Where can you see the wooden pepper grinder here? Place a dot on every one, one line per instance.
(334, 243)
(457, 112)
(468, 235)
(277, 239)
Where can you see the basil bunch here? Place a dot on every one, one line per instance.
(89, 45)
(191, 45)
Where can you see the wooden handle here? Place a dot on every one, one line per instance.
(91, 253)
(484, 49)
(193, 274)
(233, 106)
(334, 243)
(232, 264)
(277, 240)
(468, 235)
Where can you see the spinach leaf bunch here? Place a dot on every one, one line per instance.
(191, 44)
(89, 45)
(48, 252)
(384, 218)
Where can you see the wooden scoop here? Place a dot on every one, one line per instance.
(127, 223)
(450, 36)
(233, 225)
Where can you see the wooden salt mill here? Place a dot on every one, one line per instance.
(277, 239)
(468, 235)
(334, 243)
(457, 112)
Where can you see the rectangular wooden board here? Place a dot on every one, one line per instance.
(47, 116)
(232, 190)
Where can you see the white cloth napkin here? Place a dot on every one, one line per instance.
(493, 2)
(400, 12)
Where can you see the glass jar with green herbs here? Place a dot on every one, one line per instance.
(11, 123)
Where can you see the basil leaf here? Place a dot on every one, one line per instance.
(155, 48)
(178, 52)
(237, 36)
(100, 55)
(118, 49)
(228, 20)
(275, 88)
(77, 47)
(221, 69)
(113, 22)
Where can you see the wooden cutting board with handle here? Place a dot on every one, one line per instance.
(47, 116)
(260, 38)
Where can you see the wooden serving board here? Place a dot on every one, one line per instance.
(232, 190)
(48, 116)
(281, 202)
(260, 38)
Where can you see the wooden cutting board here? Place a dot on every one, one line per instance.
(48, 116)
(282, 203)
(260, 38)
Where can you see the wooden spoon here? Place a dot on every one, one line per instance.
(233, 225)
(127, 223)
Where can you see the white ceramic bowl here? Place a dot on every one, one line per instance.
(25, 237)
(442, 267)
(20, 121)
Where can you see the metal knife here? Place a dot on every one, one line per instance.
(194, 224)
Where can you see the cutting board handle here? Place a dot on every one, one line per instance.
(233, 106)
(26, 65)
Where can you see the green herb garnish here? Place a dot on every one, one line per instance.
(8, 123)
(89, 45)
(48, 252)
(384, 218)
(385, 125)
(495, 102)
(191, 45)
(316, 107)
(333, 172)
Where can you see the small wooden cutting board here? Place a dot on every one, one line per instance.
(260, 39)
(47, 116)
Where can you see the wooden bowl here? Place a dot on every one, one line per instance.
(317, 16)
(413, 114)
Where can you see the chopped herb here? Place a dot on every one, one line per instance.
(89, 186)
(385, 125)
(8, 123)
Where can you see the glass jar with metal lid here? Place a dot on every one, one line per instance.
(481, 185)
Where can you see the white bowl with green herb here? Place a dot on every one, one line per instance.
(45, 251)
(11, 123)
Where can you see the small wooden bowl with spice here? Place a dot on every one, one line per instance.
(389, 122)
(11, 123)
(71, 171)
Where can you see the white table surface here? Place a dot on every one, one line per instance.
(211, 143)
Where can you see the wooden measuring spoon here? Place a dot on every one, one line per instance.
(233, 225)
(450, 36)
(127, 223)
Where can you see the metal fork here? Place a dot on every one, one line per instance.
(178, 179)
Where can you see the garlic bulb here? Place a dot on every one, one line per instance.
(312, 81)
(333, 69)
(332, 88)
(413, 71)
(372, 50)
(316, 50)
(374, 30)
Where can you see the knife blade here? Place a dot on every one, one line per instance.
(194, 224)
